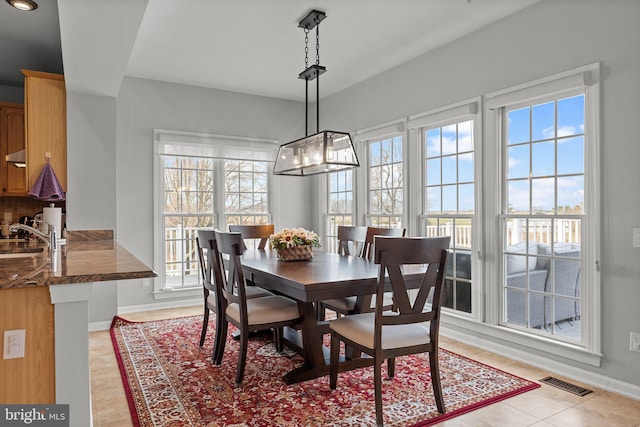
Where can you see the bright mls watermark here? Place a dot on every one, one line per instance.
(34, 415)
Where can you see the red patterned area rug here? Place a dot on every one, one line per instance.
(170, 381)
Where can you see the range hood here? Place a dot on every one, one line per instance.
(18, 158)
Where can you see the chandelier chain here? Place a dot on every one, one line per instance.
(306, 48)
(317, 41)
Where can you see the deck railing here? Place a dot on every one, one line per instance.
(541, 231)
(181, 251)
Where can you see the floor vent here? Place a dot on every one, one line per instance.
(571, 388)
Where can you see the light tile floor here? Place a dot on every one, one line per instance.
(543, 407)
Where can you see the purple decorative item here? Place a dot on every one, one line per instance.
(47, 187)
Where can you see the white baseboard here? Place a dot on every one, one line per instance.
(582, 375)
(105, 325)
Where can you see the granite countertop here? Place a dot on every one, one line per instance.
(78, 261)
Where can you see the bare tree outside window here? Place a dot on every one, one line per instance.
(386, 183)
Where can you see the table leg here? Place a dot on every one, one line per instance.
(315, 364)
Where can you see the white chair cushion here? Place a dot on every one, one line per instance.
(349, 303)
(256, 292)
(359, 328)
(266, 310)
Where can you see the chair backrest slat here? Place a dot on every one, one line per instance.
(261, 231)
(392, 253)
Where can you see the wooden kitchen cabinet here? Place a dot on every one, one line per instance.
(13, 180)
(45, 104)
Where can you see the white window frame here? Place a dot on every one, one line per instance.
(363, 138)
(325, 190)
(218, 147)
(588, 79)
(454, 113)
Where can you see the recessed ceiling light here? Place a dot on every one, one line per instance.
(23, 4)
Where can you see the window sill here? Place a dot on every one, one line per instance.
(171, 293)
(514, 343)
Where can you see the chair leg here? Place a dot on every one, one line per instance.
(205, 323)
(242, 357)
(334, 359)
(320, 311)
(221, 340)
(391, 367)
(377, 384)
(278, 340)
(435, 380)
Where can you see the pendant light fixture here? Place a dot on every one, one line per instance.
(325, 151)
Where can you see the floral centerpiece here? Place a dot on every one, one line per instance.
(294, 244)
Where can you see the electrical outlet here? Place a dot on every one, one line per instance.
(14, 344)
(145, 283)
(636, 237)
(634, 342)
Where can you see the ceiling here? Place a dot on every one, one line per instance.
(248, 46)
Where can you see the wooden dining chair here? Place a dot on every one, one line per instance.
(260, 231)
(347, 305)
(255, 314)
(372, 232)
(353, 236)
(413, 328)
(210, 273)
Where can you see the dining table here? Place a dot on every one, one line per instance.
(327, 275)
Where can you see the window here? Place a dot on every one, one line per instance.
(547, 208)
(543, 212)
(199, 181)
(386, 183)
(449, 203)
(446, 149)
(188, 205)
(340, 209)
(246, 195)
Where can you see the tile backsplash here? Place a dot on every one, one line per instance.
(23, 206)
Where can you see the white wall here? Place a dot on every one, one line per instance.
(91, 159)
(143, 105)
(547, 38)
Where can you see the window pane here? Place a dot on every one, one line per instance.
(571, 156)
(449, 140)
(432, 138)
(397, 150)
(571, 194)
(449, 199)
(543, 195)
(433, 202)
(465, 167)
(571, 116)
(543, 159)
(518, 161)
(449, 170)
(433, 171)
(465, 136)
(518, 196)
(518, 126)
(375, 156)
(466, 200)
(543, 121)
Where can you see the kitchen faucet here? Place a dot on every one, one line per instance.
(49, 239)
